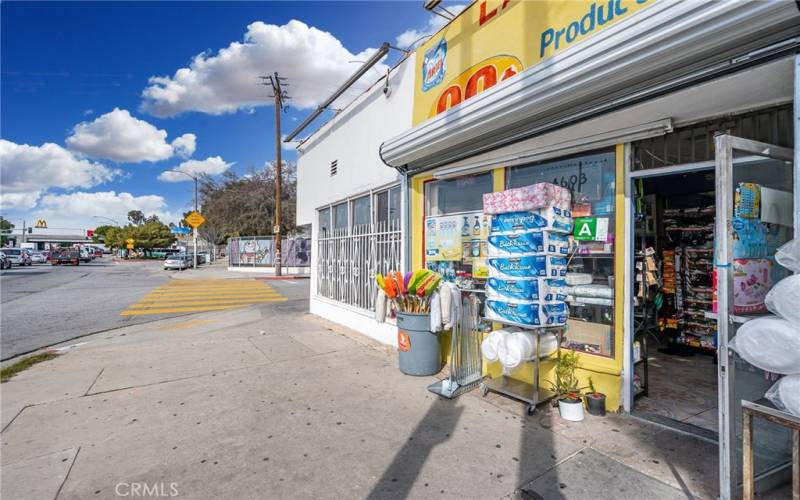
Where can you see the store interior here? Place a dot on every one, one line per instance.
(675, 341)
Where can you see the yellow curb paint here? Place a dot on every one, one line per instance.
(207, 295)
(184, 325)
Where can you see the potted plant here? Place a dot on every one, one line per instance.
(595, 401)
(568, 394)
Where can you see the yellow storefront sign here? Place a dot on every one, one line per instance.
(494, 40)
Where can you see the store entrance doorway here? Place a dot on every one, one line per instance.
(674, 361)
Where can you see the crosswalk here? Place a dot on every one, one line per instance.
(180, 296)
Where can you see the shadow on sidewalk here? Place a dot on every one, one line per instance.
(434, 429)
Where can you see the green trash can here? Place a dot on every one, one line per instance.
(420, 353)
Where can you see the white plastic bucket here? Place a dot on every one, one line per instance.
(572, 410)
(520, 346)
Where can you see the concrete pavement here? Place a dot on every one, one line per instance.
(262, 402)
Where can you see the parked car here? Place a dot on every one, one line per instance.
(85, 256)
(203, 258)
(18, 256)
(38, 258)
(66, 256)
(5, 262)
(178, 261)
(97, 252)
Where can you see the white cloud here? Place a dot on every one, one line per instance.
(185, 145)
(78, 209)
(314, 61)
(213, 165)
(411, 38)
(26, 172)
(118, 136)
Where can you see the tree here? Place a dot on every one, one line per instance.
(136, 217)
(245, 205)
(5, 230)
(100, 233)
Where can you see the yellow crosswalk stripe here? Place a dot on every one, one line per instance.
(205, 295)
(143, 305)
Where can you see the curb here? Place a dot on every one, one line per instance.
(277, 278)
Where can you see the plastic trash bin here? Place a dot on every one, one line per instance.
(419, 349)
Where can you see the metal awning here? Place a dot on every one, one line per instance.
(668, 46)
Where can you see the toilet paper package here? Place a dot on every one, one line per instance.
(538, 289)
(551, 218)
(530, 243)
(531, 266)
(531, 197)
(527, 312)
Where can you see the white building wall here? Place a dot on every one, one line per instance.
(353, 138)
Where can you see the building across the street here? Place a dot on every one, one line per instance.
(45, 238)
(663, 120)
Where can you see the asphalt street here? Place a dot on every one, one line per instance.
(43, 305)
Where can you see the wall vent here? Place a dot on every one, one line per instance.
(334, 167)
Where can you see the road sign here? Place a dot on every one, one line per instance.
(194, 219)
(180, 230)
(130, 246)
(276, 228)
(130, 241)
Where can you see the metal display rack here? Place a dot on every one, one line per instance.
(526, 392)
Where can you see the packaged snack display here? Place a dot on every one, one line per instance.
(539, 289)
(544, 266)
(530, 243)
(551, 218)
(531, 197)
(527, 312)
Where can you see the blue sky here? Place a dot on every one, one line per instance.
(74, 74)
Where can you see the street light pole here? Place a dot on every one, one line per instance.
(194, 229)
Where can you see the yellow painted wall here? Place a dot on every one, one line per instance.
(606, 373)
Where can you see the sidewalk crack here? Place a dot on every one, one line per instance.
(71, 465)
(94, 381)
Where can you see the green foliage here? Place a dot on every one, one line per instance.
(566, 384)
(100, 233)
(22, 365)
(5, 230)
(591, 386)
(149, 233)
(136, 217)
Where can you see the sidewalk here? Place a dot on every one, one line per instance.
(219, 270)
(268, 404)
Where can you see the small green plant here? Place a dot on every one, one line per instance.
(9, 371)
(591, 386)
(566, 385)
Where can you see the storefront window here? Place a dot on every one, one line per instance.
(394, 204)
(387, 206)
(361, 211)
(590, 273)
(340, 217)
(452, 196)
(325, 221)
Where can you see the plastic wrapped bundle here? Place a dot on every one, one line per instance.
(785, 394)
(784, 299)
(530, 243)
(526, 312)
(547, 219)
(789, 255)
(520, 346)
(539, 289)
(530, 197)
(491, 345)
(770, 343)
(533, 266)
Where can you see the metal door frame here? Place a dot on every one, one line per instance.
(725, 145)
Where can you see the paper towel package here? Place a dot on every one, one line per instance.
(530, 243)
(539, 289)
(551, 219)
(532, 266)
(531, 197)
(527, 312)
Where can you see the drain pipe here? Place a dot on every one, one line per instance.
(377, 56)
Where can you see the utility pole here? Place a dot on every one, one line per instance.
(276, 82)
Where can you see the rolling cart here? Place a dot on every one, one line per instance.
(526, 392)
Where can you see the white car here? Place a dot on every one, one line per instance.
(178, 261)
(18, 256)
(38, 258)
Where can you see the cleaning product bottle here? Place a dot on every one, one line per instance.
(476, 228)
(465, 227)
